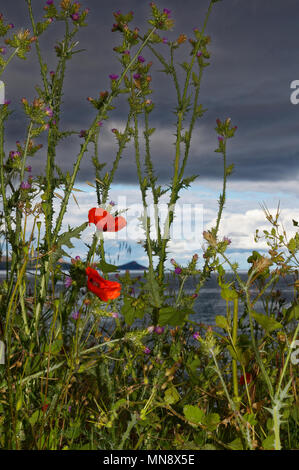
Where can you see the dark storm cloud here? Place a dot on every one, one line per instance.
(254, 58)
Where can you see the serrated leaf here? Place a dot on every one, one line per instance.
(194, 414)
(171, 395)
(268, 323)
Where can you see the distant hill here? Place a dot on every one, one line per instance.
(132, 266)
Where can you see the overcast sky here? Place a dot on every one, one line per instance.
(254, 58)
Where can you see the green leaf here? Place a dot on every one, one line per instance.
(292, 313)
(128, 311)
(268, 323)
(236, 444)
(268, 443)
(222, 322)
(171, 395)
(228, 294)
(55, 347)
(106, 267)
(212, 420)
(172, 316)
(194, 414)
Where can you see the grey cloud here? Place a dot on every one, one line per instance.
(254, 57)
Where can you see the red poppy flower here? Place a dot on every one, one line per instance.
(104, 289)
(248, 379)
(104, 221)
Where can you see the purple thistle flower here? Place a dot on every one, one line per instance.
(75, 315)
(49, 2)
(196, 335)
(52, 73)
(112, 203)
(75, 16)
(68, 282)
(13, 154)
(114, 314)
(69, 409)
(82, 134)
(127, 52)
(113, 76)
(199, 54)
(194, 296)
(11, 25)
(159, 330)
(141, 59)
(7, 102)
(77, 258)
(220, 138)
(227, 240)
(99, 123)
(48, 111)
(25, 185)
(165, 40)
(3, 50)
(166, 12)
(147, 350)
(136, 76)
(29, 168)
(173, 261)
(150, 329)
(178, 270)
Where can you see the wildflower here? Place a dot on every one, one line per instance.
(248, 378)
(178, 270)
(49, 2)
(220, 138)
(75, 17)
(159, 330)
(75, 315)
(196, 335)
(104, 289)
(115, 315)
(165, 40)
(227, 240)
(77, 258)
(48, 111)
(3, 50)
(199, 54)
(147, 350)
(68, 282)
(150, 329)
(113, 76)
(126, 52)
(82, 134)
(13, 154)
(166, 12)
(136, 76)
(104, 221)
(11, 25)
(173, 261)
(28, 168)
(99, 123)
(7, 102)
(52, 73)
(25, 185)
(112, 203)
(194, 296)
(141, 59)
(114, 130)
(69, 409)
